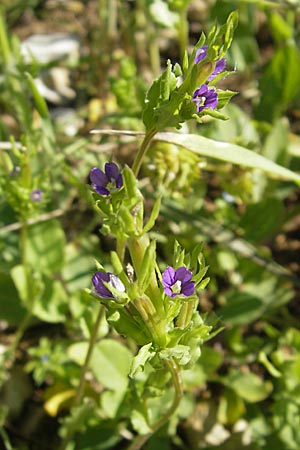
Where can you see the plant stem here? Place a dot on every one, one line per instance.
(177, 382)
(142, 151)
(29, 301)
(183, 31)
(85, 366)
(121, 249)
(18, 336)
(5, 439)
(82, 381)
(4, 44)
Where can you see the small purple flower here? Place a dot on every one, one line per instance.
(105, 183)
(201, 53)
(205, 97)
(36, 195)
(178, 282)
(99, 287)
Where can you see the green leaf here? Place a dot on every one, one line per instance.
(231, 407)
(39, 101)
(139, 361)
(109, 437)
(78, 268)
(45, 246)
(52, 305)
(248, 386)
(242, 308)
(167, 83)
(284, 77)
(11, 309)
(227, 152)
(130, 184)
(268, 217)
(153, 216)
(147, 267)
(279, 27)
(263, 359)
(111, 401)
(139, 422)
(45, 297)
(110, 362)
(275, 146)
(224, 97)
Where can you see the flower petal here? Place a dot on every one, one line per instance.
(119, 181)
(220, 66)
(168, 277)
(188, 288)
(101, 190)
(201, 91)
(100, 289)
(112, 171)
(168, 292)
(183, 274)
(98, 177)
(204, 97)
(200, 54)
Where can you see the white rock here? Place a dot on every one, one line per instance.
(45, 48)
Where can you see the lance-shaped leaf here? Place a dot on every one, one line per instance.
(229, 153)
(130, 184)
(147, 267)
(39, 101)
(153, 216)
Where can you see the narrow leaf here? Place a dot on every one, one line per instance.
(227, 152)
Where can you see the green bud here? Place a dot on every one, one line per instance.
(118, 268)
(200, 73)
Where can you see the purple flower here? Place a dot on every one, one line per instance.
(36, 195)
(105, 183)
(205, 97)
(178, 282)
(99, 287)
(201, 53)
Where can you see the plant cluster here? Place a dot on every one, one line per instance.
(110, 319)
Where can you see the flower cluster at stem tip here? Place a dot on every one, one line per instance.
(205, 97)
(175, 282)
